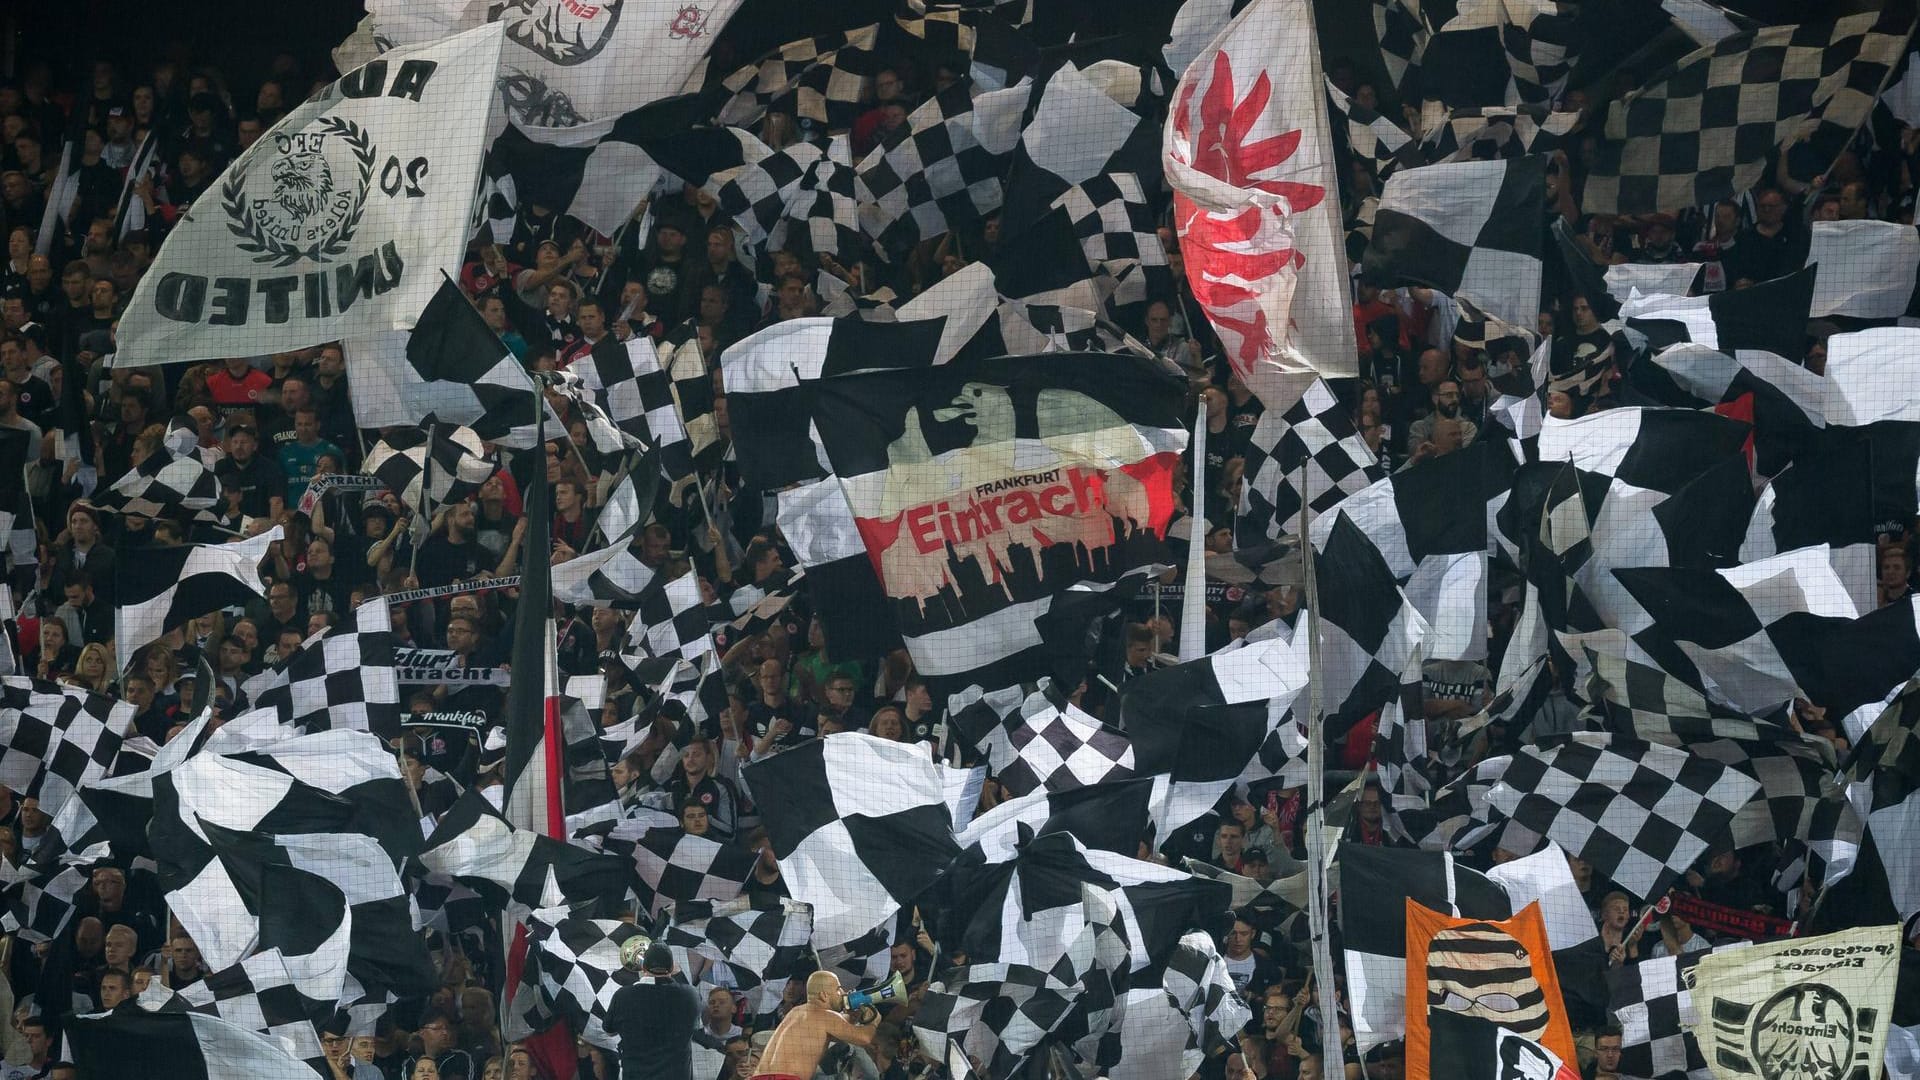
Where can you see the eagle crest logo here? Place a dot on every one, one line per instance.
(564, 32)
(314, 196)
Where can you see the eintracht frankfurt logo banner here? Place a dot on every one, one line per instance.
(1801, 1009)
(336, 223)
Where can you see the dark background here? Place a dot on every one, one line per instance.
(242, 38)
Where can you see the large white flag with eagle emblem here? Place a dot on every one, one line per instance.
(568, 63)
(1250, 160)
(337, 223)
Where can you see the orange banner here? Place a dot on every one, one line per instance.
(1469, 979)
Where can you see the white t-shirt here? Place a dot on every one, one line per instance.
(1240, 971)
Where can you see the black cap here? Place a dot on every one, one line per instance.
(1254, 854)
(658, 960)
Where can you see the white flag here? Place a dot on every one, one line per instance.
(338, 222)
(1250, 159)
(571, 62)
(1802, 1007)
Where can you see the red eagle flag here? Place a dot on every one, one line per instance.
(1249, 156)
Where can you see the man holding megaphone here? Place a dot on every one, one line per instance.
(801, 1039)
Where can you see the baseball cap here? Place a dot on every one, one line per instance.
(116, 111)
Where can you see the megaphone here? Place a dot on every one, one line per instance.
(894, 989)
(634, 950)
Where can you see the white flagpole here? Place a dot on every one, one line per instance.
(1332, 1063)
(1193, 602)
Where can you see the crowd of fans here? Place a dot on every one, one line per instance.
(268, 426)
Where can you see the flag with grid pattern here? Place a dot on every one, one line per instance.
(1310, 450)
(435, 462)
(825, 75)
(1542, 45)
(672, 620)
(1403, 34)
(1641, 814)
(677, 867)
(997, 1016)
(1114, 221)
(633, 383)
(341, 677)
(1703, 130)
(55, 738)
(944, 167)
(761, 940)
(1468, 229)
(1653, 1001)
(1371, 137)
(756, 197)
(1469, 132)
(572, 971)
(1040, 744)
(257, 994)
(38, 907)
(1638, 699)
(162, 483)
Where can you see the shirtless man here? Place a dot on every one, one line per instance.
(794, 1052)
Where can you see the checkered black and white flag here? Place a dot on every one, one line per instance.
(1198, 982)
(38, 907)
(1403, 34)
(1470, 132)
(757, 196)
(677, 867)
(634, 384)
(440, 463)
(1370, 136)
(943, 167)
(996, 1014)
(1114, 221)
(572, 971)
(762, 941)
(165, 587)
(1469, 229)
(163, 483)
(1312, 451)
(1769, 631)
(825, 76)
(1639, 700)
(1542, 44)
(56, 738)
(451, 366)
(1641, 814)
(1653, 1001)
(1790, 774)
(672, 620)
(341, 677)
(854, 850)
(258, 994)
(475, 846)
(1706, 128)
(1033, 743)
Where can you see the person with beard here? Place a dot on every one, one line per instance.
(1421, 434)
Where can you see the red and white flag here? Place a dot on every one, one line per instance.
(1249, 156)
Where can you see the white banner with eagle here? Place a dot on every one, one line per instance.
(567, 63)
(337, 223)
(1798, 1009)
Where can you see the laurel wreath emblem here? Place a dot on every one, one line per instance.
(267, 249)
